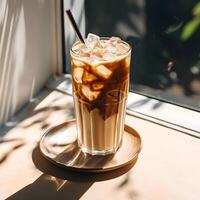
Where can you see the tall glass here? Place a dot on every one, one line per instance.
(100, 88)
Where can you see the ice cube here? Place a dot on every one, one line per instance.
(102, 71)
(114, 40)
(104, 43)
(78, 74)
(94, 61)
(121, 48)
(84, 51)
(109, 56)
(92, 41)
(88, 77)
(97, 86)
(109, 48)
(89, 94)
(110, 51)
(78, 63)
(98, 52)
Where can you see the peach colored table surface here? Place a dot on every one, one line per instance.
(168, 166)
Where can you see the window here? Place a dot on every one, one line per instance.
(165, 37)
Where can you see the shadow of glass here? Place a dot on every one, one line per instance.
(51, 188)
(69, 174)
(59, 183)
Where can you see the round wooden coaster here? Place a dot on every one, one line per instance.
(59, 145)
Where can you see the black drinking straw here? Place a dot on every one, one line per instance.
(74, 25)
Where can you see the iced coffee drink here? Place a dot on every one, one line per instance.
(100, 72)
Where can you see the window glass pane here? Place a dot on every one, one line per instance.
(165, 36)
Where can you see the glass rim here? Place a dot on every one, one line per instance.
(73, 53)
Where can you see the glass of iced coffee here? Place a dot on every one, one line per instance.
(100, 73)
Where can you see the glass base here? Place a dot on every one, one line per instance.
(94, 152)
(60, 146)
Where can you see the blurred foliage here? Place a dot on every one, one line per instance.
(196, 10)
(190, 27)
(167, 53)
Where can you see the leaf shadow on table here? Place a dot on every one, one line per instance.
(59, 183)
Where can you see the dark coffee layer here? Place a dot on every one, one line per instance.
(102, 85)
